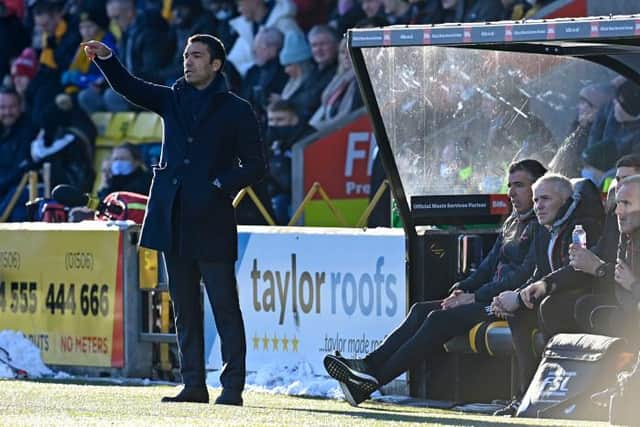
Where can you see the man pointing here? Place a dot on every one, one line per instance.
(211, 149)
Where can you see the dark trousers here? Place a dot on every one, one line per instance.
(602, 314)
(554, 315)
(220, 283)
(424, 331)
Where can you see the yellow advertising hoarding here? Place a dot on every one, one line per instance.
(61, 285)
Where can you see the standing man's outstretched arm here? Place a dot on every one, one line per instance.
(140, 92)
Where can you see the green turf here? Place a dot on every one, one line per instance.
(47, 403)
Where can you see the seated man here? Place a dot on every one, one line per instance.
(431, 324)
(559, 210)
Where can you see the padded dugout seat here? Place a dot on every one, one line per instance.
(491, 338)
(147, 127)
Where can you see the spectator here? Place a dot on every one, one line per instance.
(66, 141)
(346, 15)
(567, 159)
(324, 50)
(16, 132)
(82, 73)
(426, 12)
(187, 19)
(60, 38)
(127, 172)
(142, 47)
(430, 324)
(23, 70)
(266, 77)
(341, 95)
(13, 36)
(398, 12)
(256, 14)
(558, 210)
(619, 123)
(220, 13)
(295, 57)
(372, 8)
(466, 11)
(312, 12)
(595, 162)
(285, 129)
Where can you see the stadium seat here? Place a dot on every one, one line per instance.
(101, 120)
(102, 153)
(116, 130)
(145, 128)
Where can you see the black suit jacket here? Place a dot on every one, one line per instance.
(222, 143)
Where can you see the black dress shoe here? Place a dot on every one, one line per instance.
(189, 394)
(229, 398)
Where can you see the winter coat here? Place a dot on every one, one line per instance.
(629, 252)
(15, 159)
(143, 47)
(583, 208)
(623, 137)
(507, 266)
(139, 181)
(208, 135)
(282, 17)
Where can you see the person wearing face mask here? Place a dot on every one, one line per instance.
(126, 172)
(284, 129)
(618, 124)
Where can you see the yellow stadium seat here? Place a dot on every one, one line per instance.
(102, 153)
(117, 129)
(144, 128)
(101, 120)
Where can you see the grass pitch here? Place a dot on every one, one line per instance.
(47, 403)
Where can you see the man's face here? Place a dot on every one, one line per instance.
(547, 202)
(586, 111)
(263, 52)
(9, 109)
(625, 171)
(88, 30)
(199, 70)
(281, 118)
(324, 49)
(628, 207)
(520, 192)
(120, 13)
(371, 7)
(47, 21)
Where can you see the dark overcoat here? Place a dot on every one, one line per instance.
(222, 143)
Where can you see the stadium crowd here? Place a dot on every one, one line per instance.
(286, 57)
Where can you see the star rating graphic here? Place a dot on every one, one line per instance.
(275, 343)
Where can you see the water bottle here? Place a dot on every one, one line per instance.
(579, 236)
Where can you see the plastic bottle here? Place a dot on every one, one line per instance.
(579, 236)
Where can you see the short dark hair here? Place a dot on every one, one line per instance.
(283, 105)
(629, 161)
(8, 90)
(531, 166)
(215, 46)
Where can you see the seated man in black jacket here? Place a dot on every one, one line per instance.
(431, 324)
(559, 208)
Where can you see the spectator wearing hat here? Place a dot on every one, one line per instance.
(254, 15)
(266, 76)
(82, 73)
(13, 36)
(596, 164)
(619, 122)
(341, 95)
(295, 57)
(23, 70)
(187, 19)
(567, 160)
